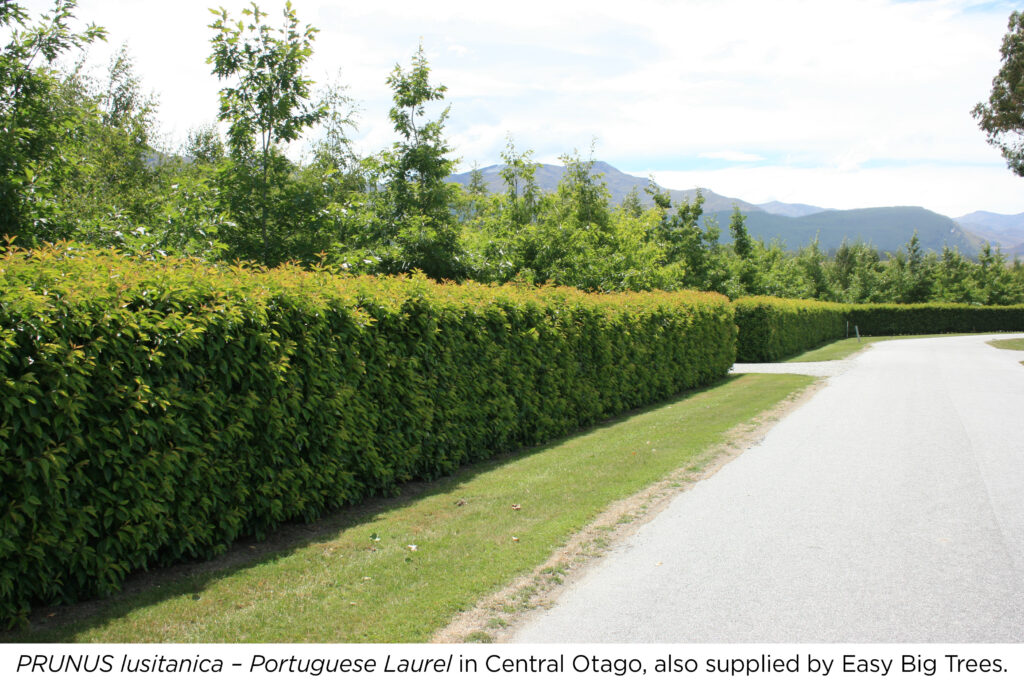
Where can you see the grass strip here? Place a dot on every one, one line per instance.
(837, 350)
(399, 569)
(1008, 344)
(843, 348)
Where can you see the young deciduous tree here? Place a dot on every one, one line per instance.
(117, 165)
(477, 185)
(743, 248)
(582, 194)
(740, 238)
(521, 191)
(333, 148)
(662, 199)
(475, 194)
(995, 282)
(204, 146)
(417, 165)
(854, 273)
(631, 204)
(418, 229)
(270, 102)
(37, 122)
(685, 242)
(810, 263)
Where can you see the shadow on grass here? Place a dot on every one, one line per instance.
(792, 357)
(146, 588)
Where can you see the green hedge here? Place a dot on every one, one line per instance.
(773, 328)
(935, 318)
(157, 411)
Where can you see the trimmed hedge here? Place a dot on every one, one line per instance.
(935, 318)
(154, 412)
(773, 328)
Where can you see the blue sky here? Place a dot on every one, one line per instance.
(839, 104)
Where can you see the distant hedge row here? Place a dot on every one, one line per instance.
(773, 328)
(154, 412)
(931, 318)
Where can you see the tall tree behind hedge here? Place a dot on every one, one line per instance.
(744, 274)
(995, 282)
(37, 122)
(269, 104)
(582, 196)
(113, 189)
(855, 273)
(417, 230)
(690, 249)
(1002, 117)
(521, 191)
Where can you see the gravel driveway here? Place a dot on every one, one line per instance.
(889, 508)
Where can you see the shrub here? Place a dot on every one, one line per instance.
(935, 318)
(772, 328)
(157, 411)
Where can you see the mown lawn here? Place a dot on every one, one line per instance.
(1008, 344)
(837, 350)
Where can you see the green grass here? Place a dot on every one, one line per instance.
(353, 576)
(843, 348)
(1008, 344)
(837, 350)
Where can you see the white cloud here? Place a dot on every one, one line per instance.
(838, 91)
(731, 156)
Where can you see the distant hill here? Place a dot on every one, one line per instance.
(792, 224)
(1005, 230)
(619, 185)
(790, 209)
(888, 229)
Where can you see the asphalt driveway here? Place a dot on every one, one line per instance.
(889, 508)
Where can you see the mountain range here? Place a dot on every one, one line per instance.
(795, 224)
(1005, 230)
